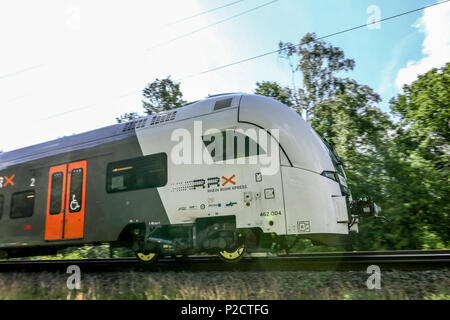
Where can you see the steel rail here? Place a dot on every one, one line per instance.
(339, 261)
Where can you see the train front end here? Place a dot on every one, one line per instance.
(317, 201)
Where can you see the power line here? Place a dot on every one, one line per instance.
(202, 13)
(169, 24)
(89, 106)
(211, 25)
(323, 37)
(263, 54)
(182, 36)
(21, 71)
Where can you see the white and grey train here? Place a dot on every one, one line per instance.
(228, 174)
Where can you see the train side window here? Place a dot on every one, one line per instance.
(2, 198)
(237, 146)
(56, 193)
(22, 204)
(137, 173)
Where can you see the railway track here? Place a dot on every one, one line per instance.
(342, 261)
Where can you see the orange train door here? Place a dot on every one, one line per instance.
(55, 202)
(66, 201)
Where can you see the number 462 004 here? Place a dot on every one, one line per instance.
(270, 213)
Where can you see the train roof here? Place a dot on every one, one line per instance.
(117, 131)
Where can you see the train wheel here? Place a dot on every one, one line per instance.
(233, 256)
(147, 257)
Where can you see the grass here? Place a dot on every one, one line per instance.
(428, 285)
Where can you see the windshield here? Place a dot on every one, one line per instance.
(334, 157)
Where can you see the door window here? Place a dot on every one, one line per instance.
(56, 192)
(76, 190)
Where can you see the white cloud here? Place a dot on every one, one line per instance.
(435, 23)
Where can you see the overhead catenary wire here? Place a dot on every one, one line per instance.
(182, 36)
(320, 38)
(212, 25)
(203, 12)
(21, 71)
(169, 24)
(266, 54)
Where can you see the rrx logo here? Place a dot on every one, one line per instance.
(211, 182)
(5, 181)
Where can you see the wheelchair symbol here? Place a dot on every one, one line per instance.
(74, 206)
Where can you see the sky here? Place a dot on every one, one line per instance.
(69, 66)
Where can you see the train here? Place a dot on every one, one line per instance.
(229, 175)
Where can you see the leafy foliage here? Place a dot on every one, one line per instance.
(415, 169)
(274, 90)
(160, 95)
(319, 63)
(424, 114)
(402, 165)
(128, 117)
(422, 138)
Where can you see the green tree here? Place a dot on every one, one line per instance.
(403, 166)
(160, 95)
(408, 174)
(319, 64)
(423, 139)
(128, 117)
(424, 113)
(358, 129)
(342, 111)
(274, 90)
